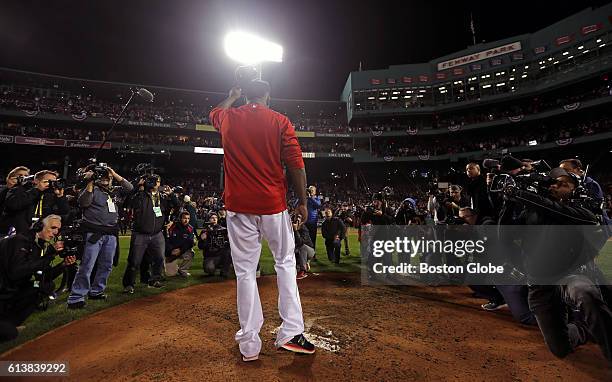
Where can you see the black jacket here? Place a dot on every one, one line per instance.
(368, 217)
(476, 188)
(20, 258)
(554, 245)
(145, 220)
(302, 236)
(19, 208)
(331, 228)
(213, 239)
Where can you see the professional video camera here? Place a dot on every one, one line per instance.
(217, 237)
(74, 240)
(98, 170)
(382, 195)
(532, 176)
(145, 172)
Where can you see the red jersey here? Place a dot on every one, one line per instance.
(257, 141)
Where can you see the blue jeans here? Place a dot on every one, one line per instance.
(516, 298)
(102, 253)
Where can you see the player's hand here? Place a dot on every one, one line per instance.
(59, 192)
(301, 211)
(235, 92)
(378, 213)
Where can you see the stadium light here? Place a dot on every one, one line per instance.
(249, 49)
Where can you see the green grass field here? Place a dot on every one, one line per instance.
(57, 314)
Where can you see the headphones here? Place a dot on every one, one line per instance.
(37, 226)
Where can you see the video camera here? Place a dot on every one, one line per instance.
(145, 172)
(382, 195)
(533, 176)
(74, 240)
(98, 170)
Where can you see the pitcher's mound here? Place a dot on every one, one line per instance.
(362, 333)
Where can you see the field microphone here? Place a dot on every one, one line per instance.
(145, 94)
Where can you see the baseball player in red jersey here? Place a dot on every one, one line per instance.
(258, 144)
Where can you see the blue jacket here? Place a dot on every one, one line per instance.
(313, 204)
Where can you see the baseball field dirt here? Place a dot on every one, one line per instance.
(362, 333)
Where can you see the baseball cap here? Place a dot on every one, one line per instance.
(509, 163)
(558, 171)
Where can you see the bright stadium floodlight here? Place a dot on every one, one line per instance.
(248, 49)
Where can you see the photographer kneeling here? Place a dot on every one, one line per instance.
(100, 217)
(21, 257)
(304, 249)
(214, 242)
(179, 248)
(558, 251)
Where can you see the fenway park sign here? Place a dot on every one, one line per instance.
(483, 55)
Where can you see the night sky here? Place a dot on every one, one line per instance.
(178, 43)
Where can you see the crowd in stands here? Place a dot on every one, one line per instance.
(529, 135)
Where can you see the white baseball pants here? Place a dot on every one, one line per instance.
(245, 234)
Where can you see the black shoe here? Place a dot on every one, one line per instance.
(493, 305)
(299, 344)
(156, 284)
(128, 289)
(101, 296)
(77, 305)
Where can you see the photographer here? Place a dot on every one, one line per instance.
(332, 230)
(346, 215)
(24, 206)
(304, 249)
(406, 213)
(179, 247)
(514, 296)
(21, 257)
(476, 189)
(313, 204)
(446, 206)
(150, 212)
(564, 259)
(100, 223)
(215, 246)
(189, 206)
(12, 180)
(593, 189)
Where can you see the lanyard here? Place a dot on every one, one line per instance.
(154, 198)
(39, 206)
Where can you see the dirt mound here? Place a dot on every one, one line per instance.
(363, 333)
